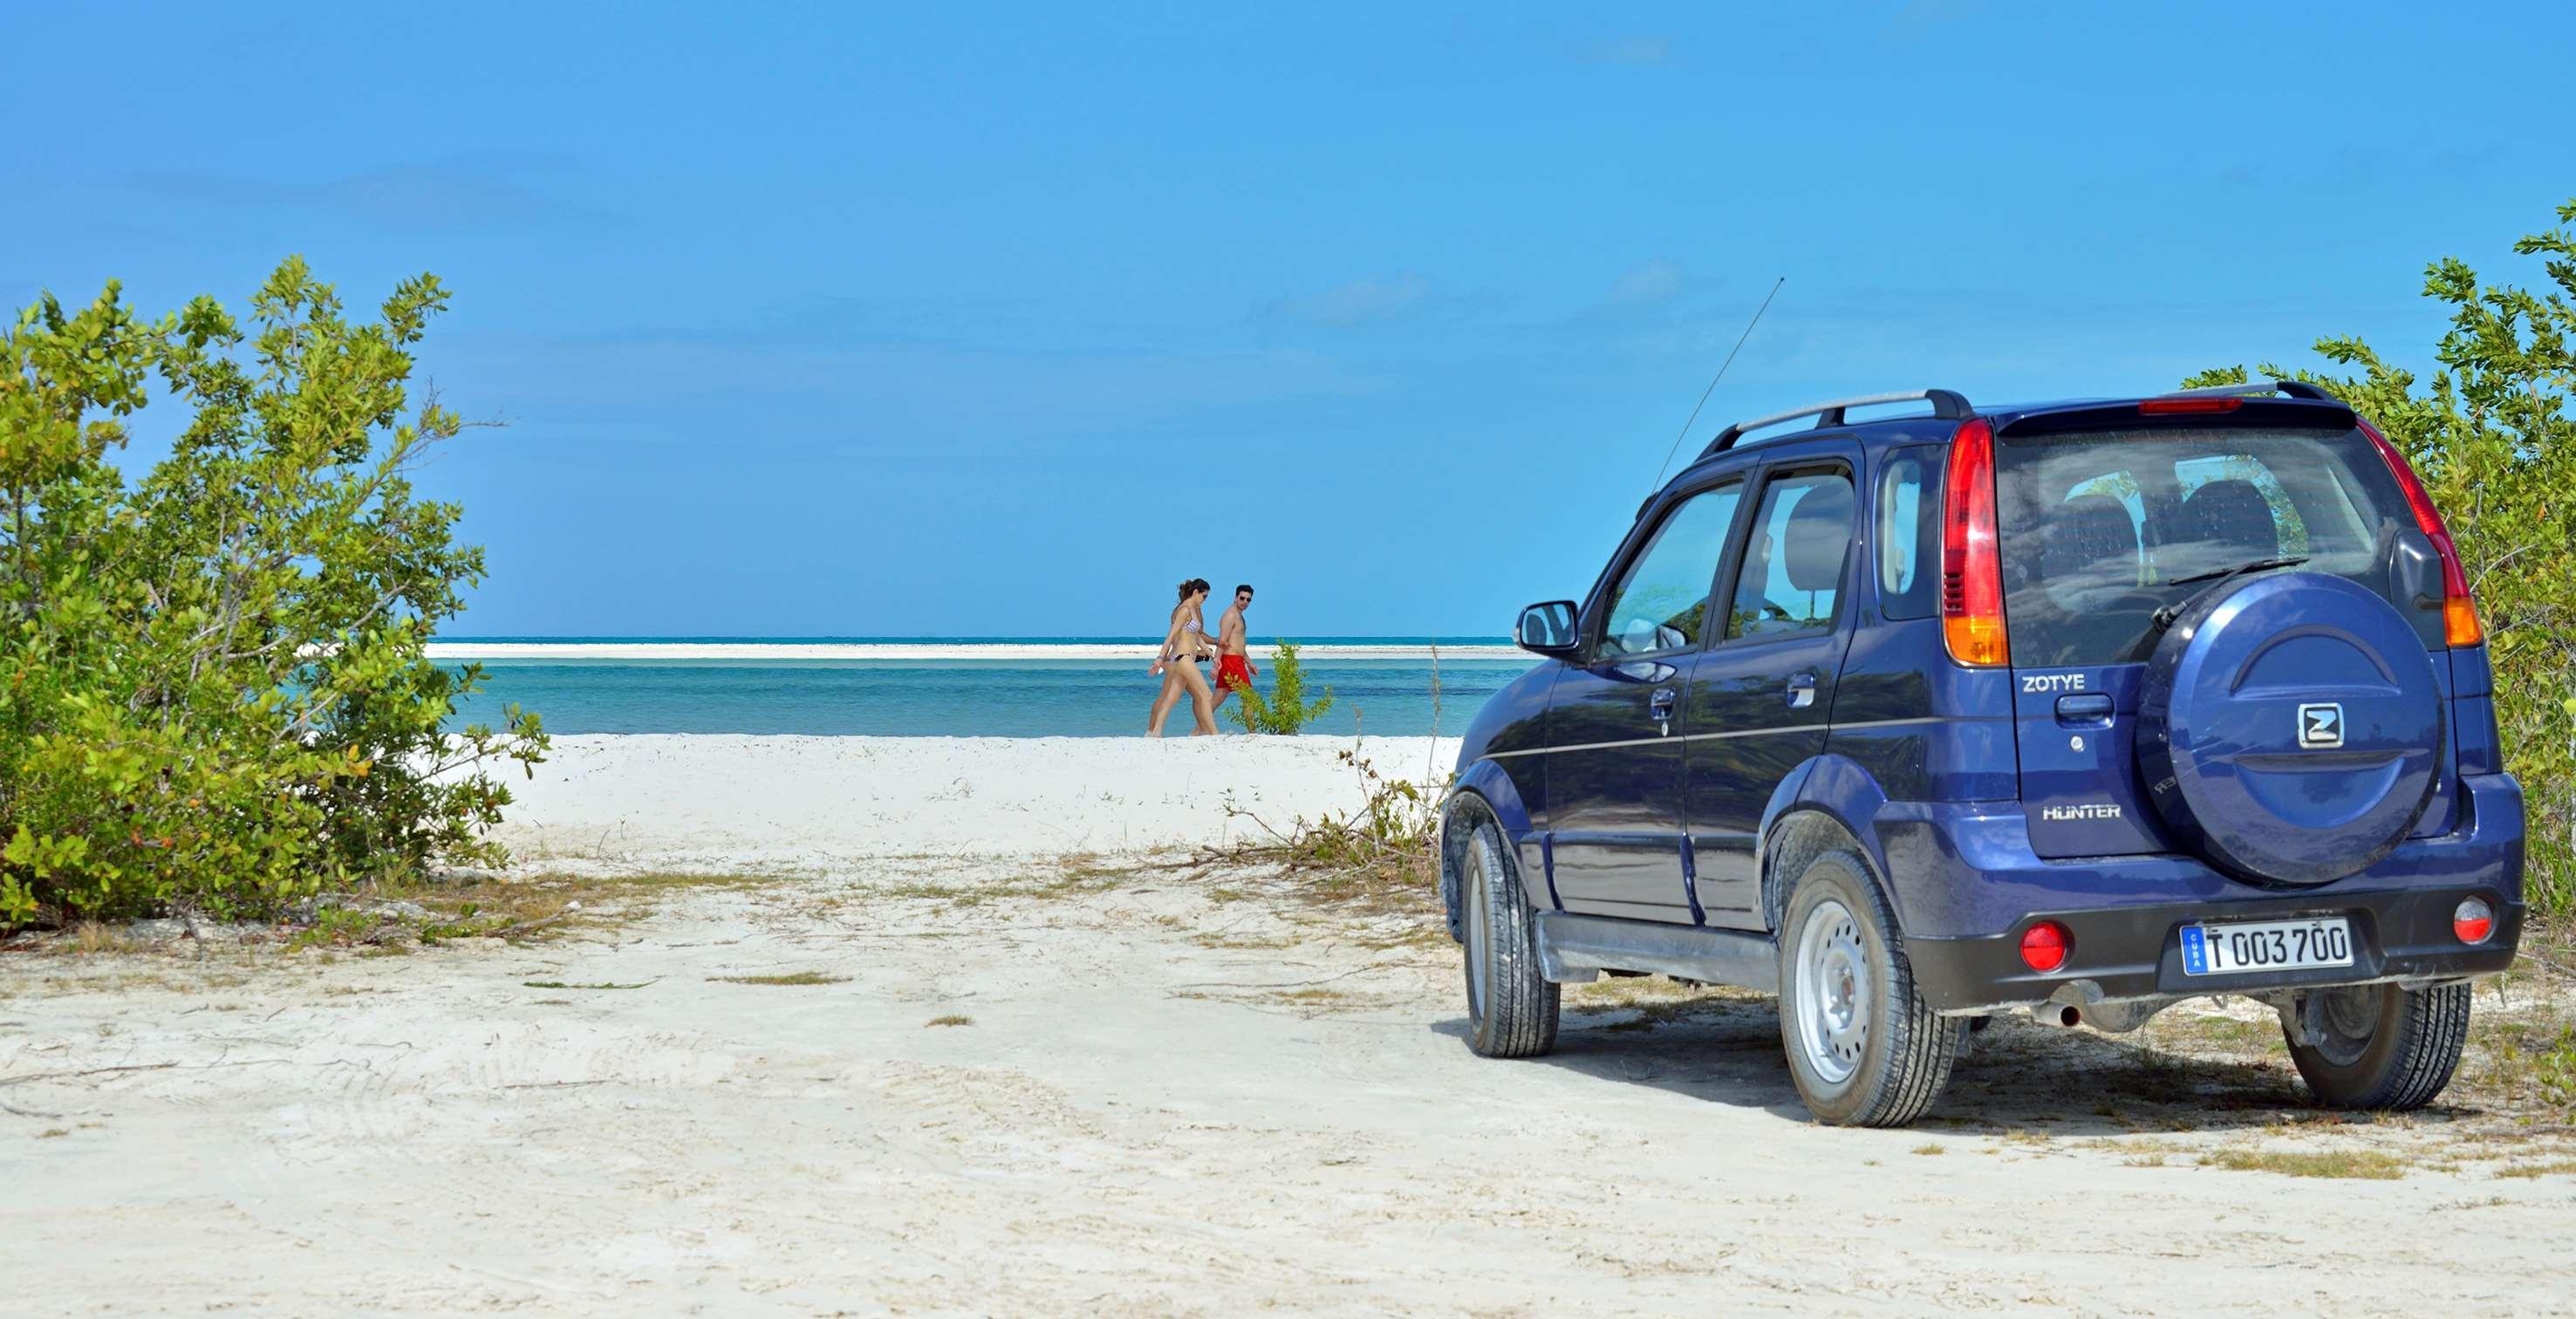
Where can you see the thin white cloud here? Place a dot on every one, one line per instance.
(1364, 300)
(473, 189)
(1636, 52)
(1659, 280)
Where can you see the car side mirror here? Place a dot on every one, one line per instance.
(1547, 629)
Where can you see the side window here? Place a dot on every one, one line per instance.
(1909, 534)
(1661, 602)
(1793, 564)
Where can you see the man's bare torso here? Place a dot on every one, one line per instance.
(1229, 632)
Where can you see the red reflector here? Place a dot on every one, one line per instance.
(2043, 946)
(2473, 920)
(2223, 403)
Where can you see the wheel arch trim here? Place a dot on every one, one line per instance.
(1825, 802)
(1484, 790)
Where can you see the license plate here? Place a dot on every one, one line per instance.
(2219, 950)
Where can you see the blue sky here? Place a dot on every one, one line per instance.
(989, 320)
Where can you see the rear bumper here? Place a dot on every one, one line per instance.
(1966, 886)
(2136, 952)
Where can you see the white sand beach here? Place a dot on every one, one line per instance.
(948, 1062)
(805, 803)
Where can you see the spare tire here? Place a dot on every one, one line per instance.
(2290, 729)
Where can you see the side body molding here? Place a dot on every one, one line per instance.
(1574, 950)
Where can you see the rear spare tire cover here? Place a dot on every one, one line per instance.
(2290, 728)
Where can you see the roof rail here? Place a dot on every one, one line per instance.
(2287, 388)
(1947, 404)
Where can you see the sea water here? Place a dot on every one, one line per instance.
(1030, 694)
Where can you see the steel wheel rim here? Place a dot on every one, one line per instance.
(2342, 1022)
(1479, 931)
(1834, 992)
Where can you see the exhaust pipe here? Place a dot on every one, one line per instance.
(2058, 1014)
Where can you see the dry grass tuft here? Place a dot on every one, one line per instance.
(2367, 1164)
(1381, 857)
(785, 978)
(387, 917)
(1655, 1000)
(94, 937)
(949, 1019)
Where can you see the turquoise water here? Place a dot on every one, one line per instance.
(935, 698)
(1258, 638)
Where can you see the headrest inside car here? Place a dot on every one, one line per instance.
(2232, 520)
(1820, 531)
(2091, 536)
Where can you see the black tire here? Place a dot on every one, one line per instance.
(1511, 1007)
(1888, 1072)
(2379, 1047)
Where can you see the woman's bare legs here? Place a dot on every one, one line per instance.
(1202, 701)
(1170, 696)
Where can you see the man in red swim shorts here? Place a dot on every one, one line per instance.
(1233, 663)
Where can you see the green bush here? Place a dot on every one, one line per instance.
(2492, 439)
(1286, 709)
(213, 688)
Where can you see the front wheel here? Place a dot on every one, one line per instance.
(1864, 1049)
(2378, 1047)
(1511, 1007)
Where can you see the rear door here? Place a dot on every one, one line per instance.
(1759, 698)
(1615, 724)
(2101, 530)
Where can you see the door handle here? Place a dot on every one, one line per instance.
(1802, 690)
(2086, 708)
(1660, 707)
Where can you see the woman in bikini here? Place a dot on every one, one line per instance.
(1185, 647)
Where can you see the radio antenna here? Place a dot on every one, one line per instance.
(1712, 380)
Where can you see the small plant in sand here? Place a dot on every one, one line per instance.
(1387, 846)
(1285, 709)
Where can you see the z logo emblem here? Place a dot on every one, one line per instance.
(2320, 726)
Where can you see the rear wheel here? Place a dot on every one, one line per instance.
(2378, 1046)
(1511, 1007)
(1864, 1049)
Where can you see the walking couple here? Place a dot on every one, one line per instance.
(1186, 646)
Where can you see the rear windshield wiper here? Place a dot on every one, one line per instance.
(2258, 565)
(2165, 616)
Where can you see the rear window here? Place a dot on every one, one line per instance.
(2100, 528)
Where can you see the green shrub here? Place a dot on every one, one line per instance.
(2496, 448)
(213, 688)
(1286, 709)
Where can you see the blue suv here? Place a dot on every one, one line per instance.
(2075, 709)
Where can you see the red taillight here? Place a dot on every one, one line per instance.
(2043, 946)
(2473, 920)
(2460, 626)
(1972, 576)
(2184, 403)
